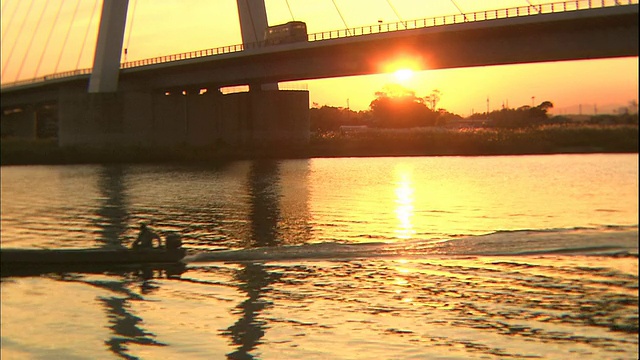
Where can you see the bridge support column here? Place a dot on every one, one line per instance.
(267, 118)
(105, 120)
(155, 119)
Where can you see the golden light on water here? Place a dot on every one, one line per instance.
(404, 202)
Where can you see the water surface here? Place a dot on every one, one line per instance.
(346, 258)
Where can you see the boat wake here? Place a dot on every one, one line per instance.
(607, 241)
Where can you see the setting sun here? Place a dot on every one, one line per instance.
(403, 75)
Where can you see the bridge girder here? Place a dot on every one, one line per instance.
(602, 33)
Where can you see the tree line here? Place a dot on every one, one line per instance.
(396, 107)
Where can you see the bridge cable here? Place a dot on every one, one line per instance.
(397, 15)
(290, 12)
(341, 17)
(133, 14)
(4, 7)
(86, 34)
(66, 37)
(46, 44)
(4, 68)
(11, 18)
(533, 6)
(33, 36)
(461, 12)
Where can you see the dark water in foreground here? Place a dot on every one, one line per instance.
(390, 258)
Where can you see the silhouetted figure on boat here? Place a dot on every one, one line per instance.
(173, 242)
(145, 239)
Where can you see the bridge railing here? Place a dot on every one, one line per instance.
(529, 10)
(183, 56)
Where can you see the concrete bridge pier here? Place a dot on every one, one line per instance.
(154, 118)
(278, 117)
(20, 122)
(31, 121)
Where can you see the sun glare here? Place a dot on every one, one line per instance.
(402, 67)
(403, 75)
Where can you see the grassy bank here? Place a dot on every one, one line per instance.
(427, 141)
(435, 141)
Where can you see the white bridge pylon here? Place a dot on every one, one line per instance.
(253, 20)
(106, 63)
(253, 23)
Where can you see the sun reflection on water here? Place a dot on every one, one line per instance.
(404, 201)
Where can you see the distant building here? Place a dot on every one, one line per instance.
(577, 118)
(623, 110)
(353, 129)
(466, 123)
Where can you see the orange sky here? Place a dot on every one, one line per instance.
(157, 28)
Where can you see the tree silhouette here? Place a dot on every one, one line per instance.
(398, 107)
(433, 99)
(524, 116)
(330, 118)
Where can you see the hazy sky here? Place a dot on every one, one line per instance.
(51, 38)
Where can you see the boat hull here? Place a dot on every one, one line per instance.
(16, 260)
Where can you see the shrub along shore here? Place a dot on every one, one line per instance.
(551, 139)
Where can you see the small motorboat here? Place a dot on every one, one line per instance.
(15, 261)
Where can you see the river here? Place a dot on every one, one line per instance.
(336, 258)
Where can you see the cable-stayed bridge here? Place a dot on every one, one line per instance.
(568, 30)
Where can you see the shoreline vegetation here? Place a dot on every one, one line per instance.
(427, 141)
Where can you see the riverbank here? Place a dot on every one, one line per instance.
(374, 142)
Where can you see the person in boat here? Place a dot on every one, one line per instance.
(145, 239)
(173, 242)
